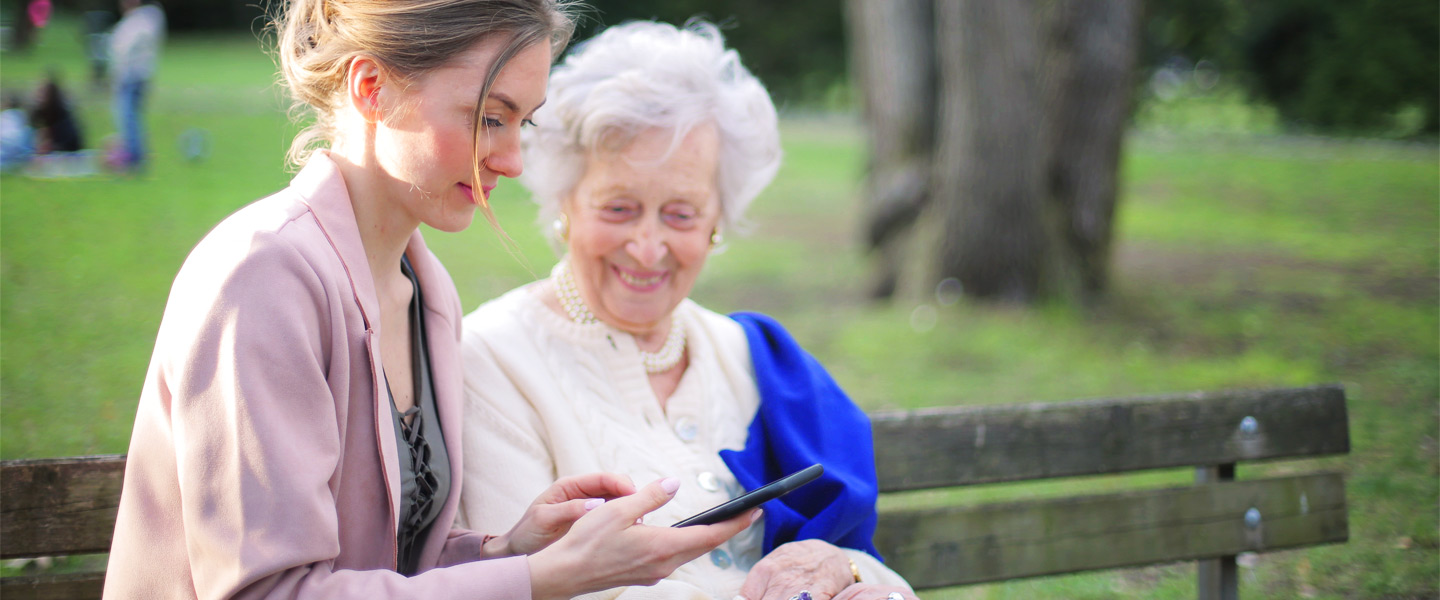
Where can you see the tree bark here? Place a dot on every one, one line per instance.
(989, 161)
(1091, 52)
(892, 60)
(1027, 101)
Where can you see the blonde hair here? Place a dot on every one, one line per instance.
(317, 40)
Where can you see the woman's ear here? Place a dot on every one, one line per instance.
(363, 83)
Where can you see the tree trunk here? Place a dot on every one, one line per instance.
(989, 164)
(1091, 54)
(1006, 117)
(892, 60)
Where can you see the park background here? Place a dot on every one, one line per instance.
(1260, 240)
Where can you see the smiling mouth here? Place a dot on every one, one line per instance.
(639, 282)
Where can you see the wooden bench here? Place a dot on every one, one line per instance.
(67, 506)
(1211, 521)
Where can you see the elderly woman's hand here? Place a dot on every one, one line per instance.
(557, 508)
(870, 591)
(810, 565)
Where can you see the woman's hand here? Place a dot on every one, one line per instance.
(553, 513)
(811, 565)
(870, 591)
(607, 548)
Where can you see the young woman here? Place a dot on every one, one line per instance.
(299, 430)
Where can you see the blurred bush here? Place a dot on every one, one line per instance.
(796, 47)
(1357, 67)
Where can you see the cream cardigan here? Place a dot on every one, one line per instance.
(547, 398)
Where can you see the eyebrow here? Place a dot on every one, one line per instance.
(688, 195)
(510, 104)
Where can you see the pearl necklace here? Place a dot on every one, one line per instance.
(655, 362)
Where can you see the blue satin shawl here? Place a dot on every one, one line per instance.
(805, 418)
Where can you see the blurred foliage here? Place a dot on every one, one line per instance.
(1359, 67)
(1221, 110)
(1199, 29)
(1348, 65)
(181, 15)
(797, 48)
(1366, 66)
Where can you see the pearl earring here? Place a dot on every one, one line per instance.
(716, 238)
(561, 227)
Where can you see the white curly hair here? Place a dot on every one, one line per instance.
(641, 75)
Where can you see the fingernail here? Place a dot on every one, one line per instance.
(593, 503)
(755, 516)
(739, 598)
(670, 484)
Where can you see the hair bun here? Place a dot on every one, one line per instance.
(317, 39)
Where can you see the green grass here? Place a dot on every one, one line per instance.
(1240, 261)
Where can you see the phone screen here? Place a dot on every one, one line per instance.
(753, 499)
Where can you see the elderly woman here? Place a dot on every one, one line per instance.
(653, 142)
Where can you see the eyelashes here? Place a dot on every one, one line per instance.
(491, 122)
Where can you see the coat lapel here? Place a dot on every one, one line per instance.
(322, 188)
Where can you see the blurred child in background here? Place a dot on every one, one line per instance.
(56, 129)
(17, 140)
(134, 49)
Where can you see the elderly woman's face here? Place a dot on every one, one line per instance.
(640, 226)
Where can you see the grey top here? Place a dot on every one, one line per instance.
(424, 464)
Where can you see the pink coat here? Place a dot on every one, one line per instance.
(263, 461)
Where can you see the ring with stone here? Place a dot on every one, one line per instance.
(803, 595)
(895, 596)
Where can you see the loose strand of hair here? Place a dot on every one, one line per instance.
(517, 43)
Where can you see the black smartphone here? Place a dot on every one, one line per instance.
(764, 494)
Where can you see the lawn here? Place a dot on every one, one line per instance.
(1241, 261)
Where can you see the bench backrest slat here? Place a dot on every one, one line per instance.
(970, 445)
(68, 506)
(67, 586)
(60, 506)
(957, 545)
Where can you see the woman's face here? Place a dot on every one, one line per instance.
(640, 226)
(426, 141)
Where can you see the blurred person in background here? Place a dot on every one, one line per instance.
(654, 141)
(98, 24)
(17, 139)
(299, 432)
(134, 50)
(54, 122)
